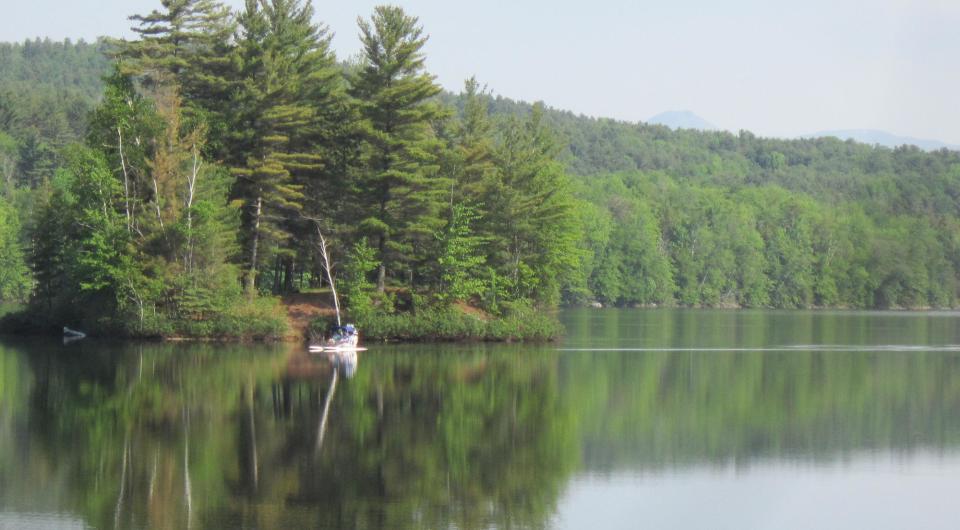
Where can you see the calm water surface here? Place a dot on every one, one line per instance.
(639, 419)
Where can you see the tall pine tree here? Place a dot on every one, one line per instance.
(289, 101)
(189, 43)
(400, 190)
(530, 207)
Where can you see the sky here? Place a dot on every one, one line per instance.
(775, 68)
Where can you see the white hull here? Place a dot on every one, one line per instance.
(317, 349)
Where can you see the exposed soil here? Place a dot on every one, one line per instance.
(303, 308)
(472, 311)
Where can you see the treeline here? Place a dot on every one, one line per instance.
(657, 240)
(47, 89)
(224, 143)
(720, 219)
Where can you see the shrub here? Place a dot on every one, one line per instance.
(450, 324)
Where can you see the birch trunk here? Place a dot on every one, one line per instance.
(252, 274)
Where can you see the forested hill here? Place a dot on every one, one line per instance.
(647, 215)
(46, 89)
(66, 66)
(826, 168)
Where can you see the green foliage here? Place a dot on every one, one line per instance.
(186, 43)
(222, 140)
(399, 191)
(46, 90)
(531, 213)
(261, 319)
(354, 282)
(459, 260)
(444, 323)
(136, 237)
(762, 247)
(289, 103)
(16, 281)
(63, 66)
(630, 266)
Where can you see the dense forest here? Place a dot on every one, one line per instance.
(173, 183)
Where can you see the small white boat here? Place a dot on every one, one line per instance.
(319, 348)
(345, 338)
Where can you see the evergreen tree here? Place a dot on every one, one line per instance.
(50, 233)
(188, 40)
(531, 209)
(399, 190)
(9, 154)
(289, 105)
(471, 155)
(37, 161)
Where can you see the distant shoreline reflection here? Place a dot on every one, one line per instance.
(678, 412)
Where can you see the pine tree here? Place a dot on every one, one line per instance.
(188, 43)
(473, 145)
(531, 208)
(37, 161)
(187, 40)
(400, 190)
(290, 99)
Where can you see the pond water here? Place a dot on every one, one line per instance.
(638, 419)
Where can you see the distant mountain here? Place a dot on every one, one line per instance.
(875, 137)
(682, 119)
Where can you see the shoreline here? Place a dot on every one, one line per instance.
(427, 327)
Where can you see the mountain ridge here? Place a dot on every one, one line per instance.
(883, 138)
(682, 119)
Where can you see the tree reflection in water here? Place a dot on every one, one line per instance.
(213, 436)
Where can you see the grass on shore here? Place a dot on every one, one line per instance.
(451, 324)
(257, 320)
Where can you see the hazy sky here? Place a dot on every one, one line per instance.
(776, 68)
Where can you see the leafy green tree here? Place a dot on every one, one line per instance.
(702, 253)
(354, 283)
(632, 268)
(9, 152)
(97, 261)
(138, 231)
(123, 126)
(750, 279)
(15, 278)
(597, 226)
(460, 261)
(786, 224)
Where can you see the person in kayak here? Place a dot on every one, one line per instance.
(344, 336)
